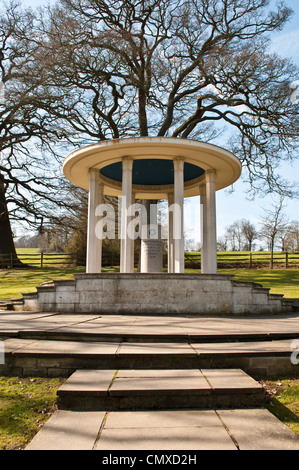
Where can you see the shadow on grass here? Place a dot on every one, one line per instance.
(284, 414)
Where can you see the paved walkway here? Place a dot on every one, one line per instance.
(203, 327)
(244, 429)
(124, 336)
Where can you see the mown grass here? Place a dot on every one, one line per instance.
(280, 281)
(25, 405)
(284, 401)
(14, 282)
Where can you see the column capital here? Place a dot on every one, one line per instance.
(210, 176)
(178, 163)
(94, 173)
(127, 163)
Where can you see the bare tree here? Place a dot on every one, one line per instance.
(291, 237)
(173, 68)
(32, 189)
(249, 233)
(273, 224)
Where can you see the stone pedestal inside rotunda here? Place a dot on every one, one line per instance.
(151, 255)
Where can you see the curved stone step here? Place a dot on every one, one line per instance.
(159, 389)
(62, 358)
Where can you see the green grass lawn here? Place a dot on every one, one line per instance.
(283, 401)
(14, 282)
(280, 281)
(25, 405)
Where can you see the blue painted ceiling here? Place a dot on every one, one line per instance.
(152, 172)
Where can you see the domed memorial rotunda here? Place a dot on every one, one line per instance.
(152, 168)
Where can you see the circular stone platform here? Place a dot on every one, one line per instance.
(153, 174)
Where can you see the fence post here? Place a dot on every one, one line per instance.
(11, 260)
(41, 260)
(250, 260)
(287, 259)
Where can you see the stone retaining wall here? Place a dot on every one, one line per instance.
(189, 294)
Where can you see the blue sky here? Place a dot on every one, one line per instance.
(235, 206)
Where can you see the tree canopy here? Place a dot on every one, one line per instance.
(182, 68)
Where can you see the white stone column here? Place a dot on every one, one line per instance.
(178, 215)
(94, 244)
(211, 251)
(126, 252)
(203, 228)
(170, 234)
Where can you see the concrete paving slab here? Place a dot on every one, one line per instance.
(159, 385)
(142, 373)
(202, 326)
(245, 429)
(172, 439)
(88, 381)
(68, 430)
(162, 418)
(24, 316)
(231, 379)
(244, 347)
(14, 344)
(164, 430)
(258, 430)
(47, 347)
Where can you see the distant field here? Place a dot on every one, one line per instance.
(225, 259)
(247, 259)
(27, 251)
(14, 282)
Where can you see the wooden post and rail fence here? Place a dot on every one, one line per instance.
(225, 260)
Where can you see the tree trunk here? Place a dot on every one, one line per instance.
(7, 246)
(271, 256)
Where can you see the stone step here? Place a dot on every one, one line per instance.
(12, 304)
(62, 358)
(140, 337)
(159, 389)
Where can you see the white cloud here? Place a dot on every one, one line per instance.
(295, 92)
(286, 45)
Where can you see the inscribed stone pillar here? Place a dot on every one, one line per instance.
(152, 250)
